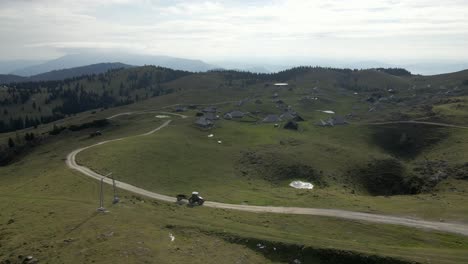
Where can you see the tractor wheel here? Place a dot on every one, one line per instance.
(201, 202)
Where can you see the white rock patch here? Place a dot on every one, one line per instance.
(301, 185)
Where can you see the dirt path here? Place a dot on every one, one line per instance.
(121, 114)
(146, 112)
(179, 115)
(165, 107)
(381, 219)
(417, 122)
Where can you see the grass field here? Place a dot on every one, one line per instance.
(53, 210)
(183, 159)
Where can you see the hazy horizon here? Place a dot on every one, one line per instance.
(86, 57)
(389, 31)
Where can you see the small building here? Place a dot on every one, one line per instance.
(322, 123)
(242, 102)
(287, 116)
(298, 118)
(333, 121)
(339, 120)
(211, 116)
(234, 114)
(180, 108)
(203, 122)
(291, 115)
(210, 109)
(271, 119)
(281, 84)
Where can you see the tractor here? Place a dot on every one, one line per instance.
(194, 199)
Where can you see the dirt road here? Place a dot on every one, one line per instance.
(165, 107)
(381, 219)
(418, 122)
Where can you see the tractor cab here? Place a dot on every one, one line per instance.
(196, 198)
(196, 195)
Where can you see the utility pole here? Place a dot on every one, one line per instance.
(101, 194)
(116, 198)
(101, 198)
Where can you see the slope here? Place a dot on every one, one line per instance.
(48, 212)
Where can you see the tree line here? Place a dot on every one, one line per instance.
(291, 74)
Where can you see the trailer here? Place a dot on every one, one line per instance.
(194, 199)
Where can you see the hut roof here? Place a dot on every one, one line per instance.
(271, 119)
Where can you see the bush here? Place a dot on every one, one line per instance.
(56, 130)
(13, 151)
(95, 124)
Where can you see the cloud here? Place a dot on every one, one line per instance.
(204, 29)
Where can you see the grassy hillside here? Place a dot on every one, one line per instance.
(255, 163)
(48, 211)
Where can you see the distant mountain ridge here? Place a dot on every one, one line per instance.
(9, 66)
(11, 78)
(63, 74)
(82, 59)
(78, 71)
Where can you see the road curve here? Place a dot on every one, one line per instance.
(120, 114)
(350, 215)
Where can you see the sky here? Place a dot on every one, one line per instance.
(385, 30)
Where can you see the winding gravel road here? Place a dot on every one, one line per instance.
(350, 215)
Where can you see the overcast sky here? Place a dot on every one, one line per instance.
(388, 30)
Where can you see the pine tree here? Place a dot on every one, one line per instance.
(11, 143)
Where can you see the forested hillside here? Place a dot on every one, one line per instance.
(31, 103)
